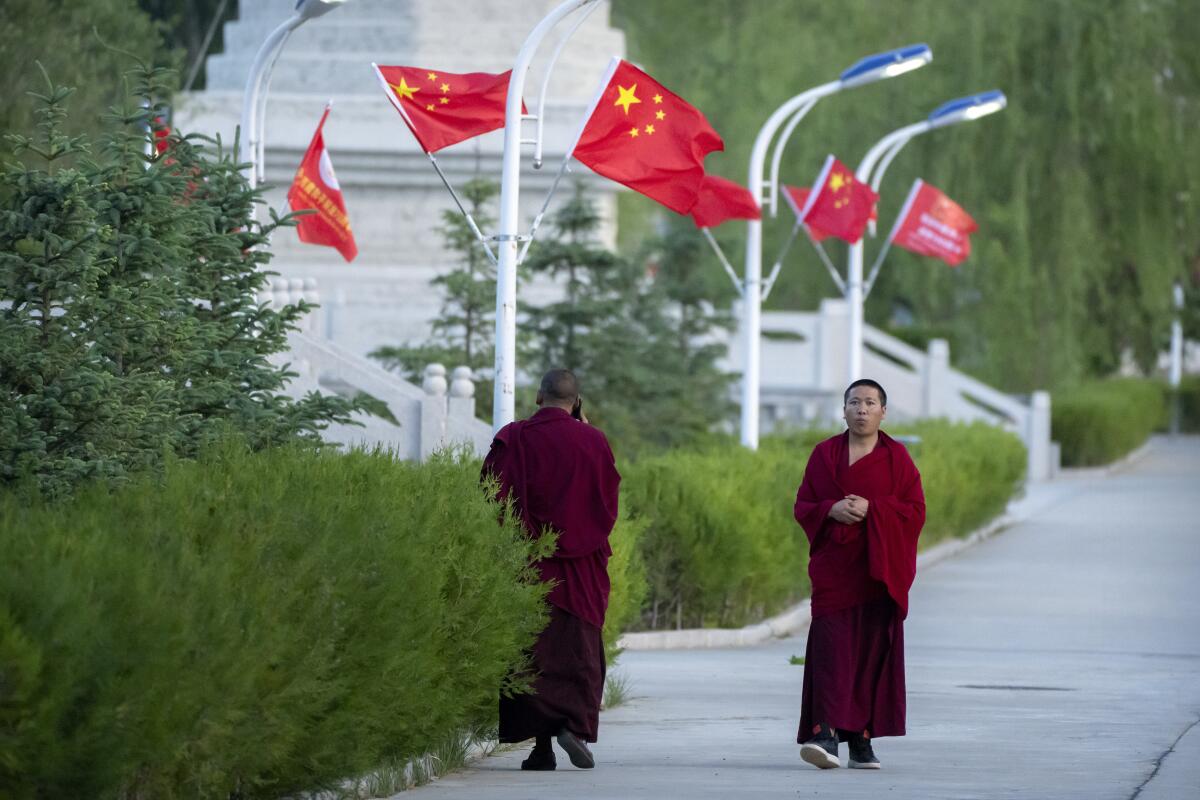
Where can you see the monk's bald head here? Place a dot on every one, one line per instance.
(560, 388)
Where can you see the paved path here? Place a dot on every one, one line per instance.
(1060, 659)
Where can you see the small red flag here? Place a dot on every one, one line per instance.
(842, 205)
(444, 108)
(640, 134)
(316, 187)
(931, 224)
(721, 200)
(797, 198)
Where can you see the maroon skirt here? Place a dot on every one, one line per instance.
(568, 658)
(854, 672)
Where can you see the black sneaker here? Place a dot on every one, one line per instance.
(861, 754)
(541, 759)
(822, 750)
(575, 748)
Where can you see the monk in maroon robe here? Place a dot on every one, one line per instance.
(560, 474)
(862, 507)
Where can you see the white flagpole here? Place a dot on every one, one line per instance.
(508, 239)
(887, 243)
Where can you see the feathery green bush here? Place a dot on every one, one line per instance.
(1099, 422)
(260, 623)
(721, 547)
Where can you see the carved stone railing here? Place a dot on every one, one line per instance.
(804, 371)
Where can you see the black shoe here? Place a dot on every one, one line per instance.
(541, 759)
(861, 754)
(576, 749)
(822, 750)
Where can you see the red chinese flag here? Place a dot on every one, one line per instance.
(315, 187)
(842, 205)
(797, 198)
(931, 224)
(443, 108)
(721, 200)
(641, 135)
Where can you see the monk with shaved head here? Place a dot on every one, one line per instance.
(862, 506)
(559, 472)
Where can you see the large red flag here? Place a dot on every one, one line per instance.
(721, 200)
(931, 224)
(443, 108)
(640, 134)
(316, 187)
(842, 205)
(797, 198)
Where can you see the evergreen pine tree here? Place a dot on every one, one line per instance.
(463, 332)
(129, 321)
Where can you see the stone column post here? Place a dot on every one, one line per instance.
(935, 380)
(433, 410)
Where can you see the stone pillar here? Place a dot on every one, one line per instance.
(832, 353)
(1041, 466)
(433, 410)
(462, 395)
(935, 381)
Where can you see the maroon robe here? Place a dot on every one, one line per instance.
(861, 574)
(561, 476)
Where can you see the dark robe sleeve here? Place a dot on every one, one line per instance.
(814, 498)
(894, 523)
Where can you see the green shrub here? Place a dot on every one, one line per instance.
(627, 574)
(260, 623)
(1099, 422)
(722, 548)
(1188, 404)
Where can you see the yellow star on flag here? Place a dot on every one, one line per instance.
(627, 98)
(444, 100)
(660, 115)
(404, 90)
(657, 99)
(838, 180)
(445, 87)
(429, 107)
(650, 129)
(633, 132)
(432, 76)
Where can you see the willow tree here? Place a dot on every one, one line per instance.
(1084, 188)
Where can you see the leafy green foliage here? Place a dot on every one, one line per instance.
(722, 548)
(637, 332)
(1084, 187)
(78, 44)
(129, 319)
(260, 623)
(1101, 421)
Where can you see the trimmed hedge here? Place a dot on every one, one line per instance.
(1188, 404)
(721, 547)
(1099, 422)
(254, 623)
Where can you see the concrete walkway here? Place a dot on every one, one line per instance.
(1060, 659)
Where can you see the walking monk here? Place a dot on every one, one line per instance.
(560, 474)
(862, 507)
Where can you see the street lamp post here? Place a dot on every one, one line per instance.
(509, 239)
(868, 70)
(254, 100)
(964, 109)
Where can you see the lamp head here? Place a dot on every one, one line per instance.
(887, 65)
(967, 108)
(307, 9)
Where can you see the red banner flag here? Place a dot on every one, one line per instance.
(721, 200)
(797, 198)
(842, 205)
(931, 224)
(316, 187)
(443, 108)
(641, 135)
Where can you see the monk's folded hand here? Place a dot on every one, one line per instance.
(858, 505)
(843, 512)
